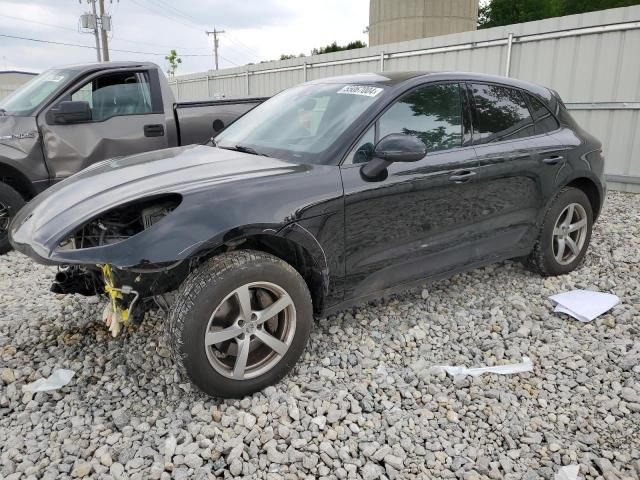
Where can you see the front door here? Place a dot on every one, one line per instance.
(127, 118)
(415, 223)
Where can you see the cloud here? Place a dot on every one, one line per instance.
(255, 30)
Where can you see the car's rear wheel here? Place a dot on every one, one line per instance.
(565, 234)
(240, 323)
(10, 202)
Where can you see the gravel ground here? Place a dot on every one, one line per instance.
(364, 402)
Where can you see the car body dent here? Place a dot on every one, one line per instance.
(20, 147)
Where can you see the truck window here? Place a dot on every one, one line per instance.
(116, 94)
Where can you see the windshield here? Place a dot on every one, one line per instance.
(32, 94)
(301, 123)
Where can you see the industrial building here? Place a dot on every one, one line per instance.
(11, 80)
(393, 21)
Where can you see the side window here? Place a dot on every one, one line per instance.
(545, 121)
(501, 114)
(116, 94)
(363, 151)
(83, 95)
(432, 113)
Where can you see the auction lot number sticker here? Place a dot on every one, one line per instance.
(360, 90)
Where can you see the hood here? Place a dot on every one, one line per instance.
(190, 171)
(173, 170)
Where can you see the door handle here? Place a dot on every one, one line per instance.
(553, 160)
(156, 130)
(462, 176)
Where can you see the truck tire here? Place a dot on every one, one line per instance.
(239, 323)
(565, 234)
(10, 202)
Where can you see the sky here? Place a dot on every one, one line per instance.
(255, 30)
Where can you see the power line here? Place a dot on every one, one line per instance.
(39, 23)
(65, 44)
(196, 24)
(114, 38)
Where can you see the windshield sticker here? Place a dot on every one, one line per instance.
(360, 90)
(55, 78)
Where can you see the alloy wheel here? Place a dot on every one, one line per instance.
(570, 233)
(250, 330)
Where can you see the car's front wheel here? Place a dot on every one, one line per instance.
(565, 234)
(240, 323)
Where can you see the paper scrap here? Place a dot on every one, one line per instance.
(58, 379)
(570, 472)
(584, 305)
(525, 366)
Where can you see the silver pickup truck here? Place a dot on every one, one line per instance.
(68, 118)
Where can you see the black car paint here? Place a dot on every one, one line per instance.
(446, 213)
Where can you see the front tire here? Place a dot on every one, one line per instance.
(565, 234)
(10, 202)
(240, 323)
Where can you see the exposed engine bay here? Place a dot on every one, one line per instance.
(121, 223)
(124, 288)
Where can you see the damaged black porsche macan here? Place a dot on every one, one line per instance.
(328, 194)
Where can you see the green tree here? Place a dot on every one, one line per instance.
(286, 56)
(496, 13)
(334, 47)
(174, 60)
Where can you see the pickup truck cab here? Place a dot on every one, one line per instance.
(68, 118)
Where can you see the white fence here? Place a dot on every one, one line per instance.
(592, 60)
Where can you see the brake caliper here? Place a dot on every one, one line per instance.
(114, 314)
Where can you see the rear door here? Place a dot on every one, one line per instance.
(127, 118)
(416, 222)
(510, 174)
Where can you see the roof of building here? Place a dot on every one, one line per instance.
(20, 72)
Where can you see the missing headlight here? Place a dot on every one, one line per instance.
(121, 222)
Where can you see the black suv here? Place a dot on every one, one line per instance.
(329, 193)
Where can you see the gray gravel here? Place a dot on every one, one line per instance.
(364, 402)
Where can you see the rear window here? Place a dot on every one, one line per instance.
(501, 114)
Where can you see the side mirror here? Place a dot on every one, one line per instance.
(395, 147)
(70, 112)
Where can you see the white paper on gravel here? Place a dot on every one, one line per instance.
(525, 366)
(58, 379)
(584, 305)
(570, 472)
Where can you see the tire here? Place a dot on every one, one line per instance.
(208, 305)
(10, 202)
(547, 252)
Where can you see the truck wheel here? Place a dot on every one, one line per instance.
(10, 202)
(240, 322)
(565, 234)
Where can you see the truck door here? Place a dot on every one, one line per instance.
(127, 117)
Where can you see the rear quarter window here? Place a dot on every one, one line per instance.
(545, 122)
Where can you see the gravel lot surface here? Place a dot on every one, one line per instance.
(364, 402)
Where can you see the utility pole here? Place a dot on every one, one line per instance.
(215, 43)
(95, 29)
(103, 30)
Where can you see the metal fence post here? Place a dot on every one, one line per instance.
(247, 74)
(304, 71)
(507, 67)
(382, 61)
(208, 86)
